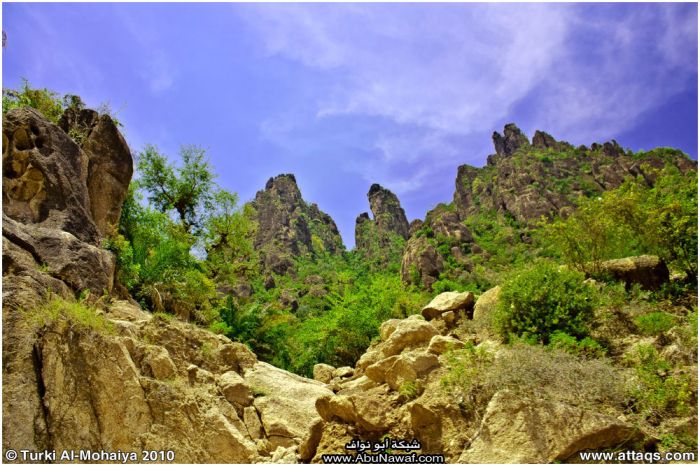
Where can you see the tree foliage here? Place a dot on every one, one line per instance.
(188, 190)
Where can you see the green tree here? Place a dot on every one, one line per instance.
(228, 238)
(188, 190)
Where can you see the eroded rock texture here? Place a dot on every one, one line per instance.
(288, 226)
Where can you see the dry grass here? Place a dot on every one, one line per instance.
(474, 376)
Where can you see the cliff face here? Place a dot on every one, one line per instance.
(523, 181)
(288, 226)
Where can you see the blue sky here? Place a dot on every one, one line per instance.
(345, 95)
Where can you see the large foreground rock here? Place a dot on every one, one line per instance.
(521, 430)
(448, 301)
(286, 403)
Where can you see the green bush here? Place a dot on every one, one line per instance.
(631, 220)
(542, 299)
(587, 347)
(655, 323)
(658, 391)
(76, 312)
(49, 103)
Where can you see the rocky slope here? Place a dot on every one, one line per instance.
(522, 401)
(524, 181)
(289, 227)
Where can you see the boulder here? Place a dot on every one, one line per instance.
(92, 393)
(343, 372)
(110, 167)
(287, 402)
(79, 264)
(409, 333)
(648, 271)
(323, 372)
(448, 301)
(225, 442)
(484, 311)
(45, 176)
(486, 305)
(377, 371)
(519, 430)
(308, 447)
(237, 356)
(252, 422)
(387, 328)
(440, 344)
(159, 364)
(409, 368)
(234, 389)
(339, 407)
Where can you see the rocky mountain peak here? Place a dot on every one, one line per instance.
(387, 210)
(284, 187)
(289, 227)
(389, 218)
(510, 141)
(543, 140)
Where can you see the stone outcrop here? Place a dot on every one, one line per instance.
(154, 383)
(389, 219)
(287, 404)
(421, 263)
(289, 227)
(510, 141)
(518, 430)
(528, 181)
(60, 199)
(522, 182)
(45, 176)
(387, 211)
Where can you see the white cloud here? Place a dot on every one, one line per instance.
(457, 70)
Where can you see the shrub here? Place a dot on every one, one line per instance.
(542, 299)
(409, 389)
(474, 375)
(587, 347)
(655, 323)
(657, 391)
(76, 312)
(630, 220)
(49, 103)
